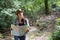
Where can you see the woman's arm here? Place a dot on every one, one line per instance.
(27, 23)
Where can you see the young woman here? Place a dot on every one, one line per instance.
(20, 21)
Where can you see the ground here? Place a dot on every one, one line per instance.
(37, 34)
(34, 34)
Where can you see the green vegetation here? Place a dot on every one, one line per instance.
(33, 10)
(56, 33)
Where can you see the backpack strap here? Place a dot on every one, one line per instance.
(26, 22)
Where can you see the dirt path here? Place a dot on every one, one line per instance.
(34, 34)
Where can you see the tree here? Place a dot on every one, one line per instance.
(46, 7)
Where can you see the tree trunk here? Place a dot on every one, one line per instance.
(46, 7)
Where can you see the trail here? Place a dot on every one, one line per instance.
(34, 34)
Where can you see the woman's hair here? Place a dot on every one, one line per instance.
(18, 11)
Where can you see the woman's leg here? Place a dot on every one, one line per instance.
(22, 37)
(15, 37)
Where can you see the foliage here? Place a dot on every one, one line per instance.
(7, 13)
(32, 10)
(58, 22)
(56, 33)
(6, 18)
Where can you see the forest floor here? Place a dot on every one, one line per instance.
(36, 34)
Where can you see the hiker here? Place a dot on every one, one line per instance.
(20, 21)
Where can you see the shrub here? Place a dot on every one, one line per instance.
(56, 33)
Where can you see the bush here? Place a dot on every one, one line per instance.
(6, 19)
(56, 33)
